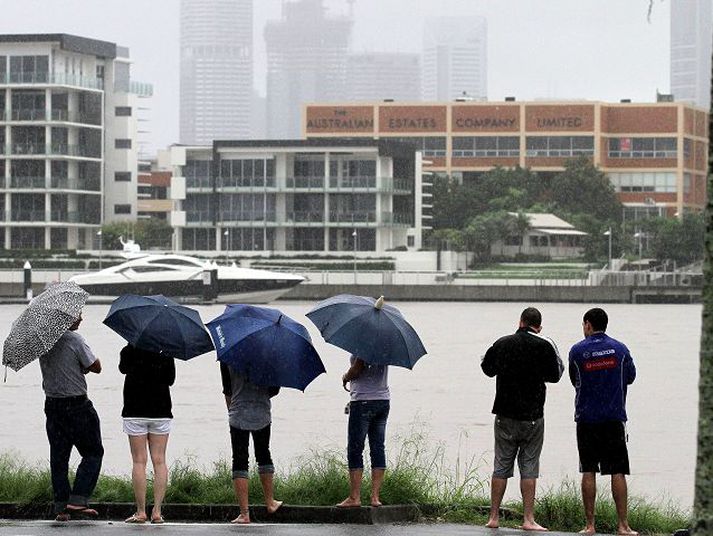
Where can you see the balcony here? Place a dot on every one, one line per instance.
(63, 216)
(352, 217)
(27, 182)
(28, 215)
(60, 79)
(352, 182)
(199, 182)
(398, 218)
(63, 183)
(81, 151)
(199, 216)
(236, 182)
(305, 217)
(75, 117)
(29, 114)
(248, 215)
(30, 148)
(305, 182)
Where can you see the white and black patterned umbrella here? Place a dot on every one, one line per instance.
(39, 327)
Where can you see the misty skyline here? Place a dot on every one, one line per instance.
(600, 50)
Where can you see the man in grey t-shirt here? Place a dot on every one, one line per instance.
(71, 422)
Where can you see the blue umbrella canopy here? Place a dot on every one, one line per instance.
(369, 329)
(159, 324)
(266, 346)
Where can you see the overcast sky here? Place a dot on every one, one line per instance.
(556, 49)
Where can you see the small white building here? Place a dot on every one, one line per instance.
(547, 236)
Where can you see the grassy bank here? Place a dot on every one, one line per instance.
(415, 476)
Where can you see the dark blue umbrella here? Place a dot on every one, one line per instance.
(265, 346)
(370, 330)
(158, 324)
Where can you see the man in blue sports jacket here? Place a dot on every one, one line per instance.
(601, 369)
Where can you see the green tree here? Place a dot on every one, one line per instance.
(149, 234)
(453, 203)
(674, 239)
(484, 230)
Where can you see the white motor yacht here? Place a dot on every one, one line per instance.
(181, 276)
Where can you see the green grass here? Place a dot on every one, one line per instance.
(418, 474)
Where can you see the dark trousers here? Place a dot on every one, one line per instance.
(367, 418)
(73, 422)
(240, 439)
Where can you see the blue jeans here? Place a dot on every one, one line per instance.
(73, 422)
(367, 418)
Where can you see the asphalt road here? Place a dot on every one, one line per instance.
(104, 528)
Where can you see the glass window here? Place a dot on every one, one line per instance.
(122, 176)
(122, 143)
(122, 111)
(122, 209)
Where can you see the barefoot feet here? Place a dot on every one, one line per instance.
(349, 503)
(493, 523)
(626, 530)
(531, 525)
(242, 519)
(589, 529)
(273, 507)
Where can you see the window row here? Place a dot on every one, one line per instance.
(644, 182)
(481, 146)
(642, 147)
(559, 146)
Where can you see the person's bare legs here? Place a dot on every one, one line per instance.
(589, 496)
(240, 485)
(377, 479)
(271, 504)
(619, 492)
(527, 488)
(157, 448)
(354, 498)
(497, 491)
(137, 444)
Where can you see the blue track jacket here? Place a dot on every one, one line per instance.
(600, 369)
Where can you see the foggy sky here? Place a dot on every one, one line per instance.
(555, 49)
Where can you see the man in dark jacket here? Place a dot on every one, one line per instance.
(600, 369)
(522, 363)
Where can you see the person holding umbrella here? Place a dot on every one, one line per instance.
(377, 335)
(147, 422)
(72, 421)
(260, 349)
(157, 330)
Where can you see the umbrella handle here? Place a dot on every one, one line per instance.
(5, 378)
(344, 386)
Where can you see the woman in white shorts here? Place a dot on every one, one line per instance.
(147, 421)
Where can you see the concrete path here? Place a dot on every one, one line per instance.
(108, 528)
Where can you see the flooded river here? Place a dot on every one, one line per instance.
(446, 395)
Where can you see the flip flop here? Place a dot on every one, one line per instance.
(157, 520)
(134, 519)
(82, 513)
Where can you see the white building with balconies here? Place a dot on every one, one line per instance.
(68, 140)
(297, 196)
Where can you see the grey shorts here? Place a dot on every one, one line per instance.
(521, 439)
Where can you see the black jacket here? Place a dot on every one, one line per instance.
(146, 386)
(522, 362)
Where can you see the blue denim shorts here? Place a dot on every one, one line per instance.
(367, 418)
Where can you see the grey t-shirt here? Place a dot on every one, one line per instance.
(62, 367)
(371, 384)
(250, 406)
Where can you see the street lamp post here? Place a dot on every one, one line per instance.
(608, 234)
(354, 236)
(99, 235)
(226, 234)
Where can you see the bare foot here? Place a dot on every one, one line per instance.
(531, 525)
(273, 507)
(349, 503)
(242, 519)
(375, 503)
(493, 523)
(588, 530)
(626, 530)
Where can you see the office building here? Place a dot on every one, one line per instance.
(306, 62)
(655, 154)
(375, 76)
(68, 133)
(691, 43)
(455, 58)
(216, 80)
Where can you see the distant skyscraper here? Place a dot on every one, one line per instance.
(691, 27)
(306, 62)
(455, 58)
(383, 75)
(216, 70)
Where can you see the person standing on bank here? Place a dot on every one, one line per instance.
(147, 421)
(368, 412)
(522, 363)
(72, 421)
(249, 413)
(600, 369)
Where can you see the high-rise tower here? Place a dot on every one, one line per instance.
(691, 27)
(216, 70)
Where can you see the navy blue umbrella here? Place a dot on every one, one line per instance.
(374, 332)
(159, 324)
(265, 346)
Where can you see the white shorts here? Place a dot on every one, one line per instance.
(135, 426)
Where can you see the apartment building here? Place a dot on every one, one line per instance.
(68, 139)
(282, 196)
